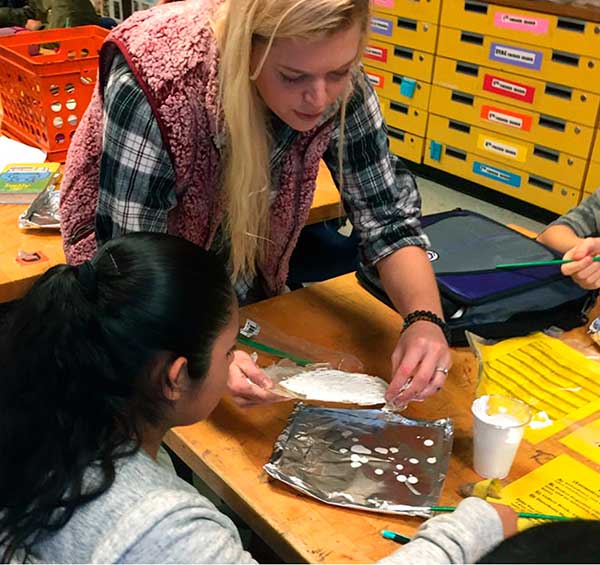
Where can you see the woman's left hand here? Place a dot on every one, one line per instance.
(420, 363)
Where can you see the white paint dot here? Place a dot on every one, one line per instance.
(379, 471)
(413, 460)
(354, 457)
(399, 467)
(343, 450)
(355, 464)
(393, 450)
(361, 449)
(354, 439)
(413, 480)
(401, 478)
(431, 460)
(428, 442)
(382, 450)
(364, 459)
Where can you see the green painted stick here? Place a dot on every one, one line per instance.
(273, 351)
(521, 514)
(538, 263)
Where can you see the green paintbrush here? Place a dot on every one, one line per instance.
(538, 263)
(521, 514)
(273, 351)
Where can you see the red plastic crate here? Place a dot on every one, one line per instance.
(46, 82)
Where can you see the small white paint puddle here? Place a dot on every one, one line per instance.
(354, 439)
(382, 450)
(431, 460)
(355, 464)
(413, 460)
(361, 449)
(412, 489)
(354, 457)
(399, 467)
(394, 450)
(428, 442)
(364, 459)
(401, 478)
(343, 450)
(379, 471)
(412, 480)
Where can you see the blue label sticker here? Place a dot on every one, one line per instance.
(516, 56)
(435, 150)
(381, 26)
(499, 175)
(407, 87)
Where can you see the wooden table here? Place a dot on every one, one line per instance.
(16, 278)
(229, 450)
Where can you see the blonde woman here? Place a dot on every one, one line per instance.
(209, 121)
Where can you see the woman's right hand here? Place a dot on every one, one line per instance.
(508, 517)
(248, 384)
(584, 271)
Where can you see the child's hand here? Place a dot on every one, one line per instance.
(508, 517)
(584, 271)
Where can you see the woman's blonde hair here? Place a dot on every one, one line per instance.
(246, 173)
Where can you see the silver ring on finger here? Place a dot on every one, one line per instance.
(441, 370)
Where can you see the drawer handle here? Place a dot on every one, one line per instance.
(473, 38)
(467, 69)
(403, 53)
(544, 153)
(405, 23)
(570, 25)
(397, 107)
(476, 7)
(565, 58)
(540, 183)
(552, 123)
(456, 153)
(559, 91)
(459, 126)
(396, 133)
(462, 98)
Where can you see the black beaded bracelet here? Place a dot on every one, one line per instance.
(427, 315)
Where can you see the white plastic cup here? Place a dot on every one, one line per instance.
(498, 428)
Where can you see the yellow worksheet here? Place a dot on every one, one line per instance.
(561, 385)
(563, 487)
(586, 441)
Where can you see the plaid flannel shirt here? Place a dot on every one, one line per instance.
(137, 180)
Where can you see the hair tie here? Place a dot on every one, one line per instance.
(86, 275)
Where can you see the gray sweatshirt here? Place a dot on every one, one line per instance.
(584, 219)
(149, 515)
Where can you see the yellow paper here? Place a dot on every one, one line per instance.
(563, 487)
(586, 441)
(561, 385)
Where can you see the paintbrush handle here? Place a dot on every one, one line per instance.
(538, 263)
(273, 351)
(520, 514)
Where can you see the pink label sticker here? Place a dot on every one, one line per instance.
(384, 3)
(521, 22)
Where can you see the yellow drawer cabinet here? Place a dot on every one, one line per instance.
(404, 117)
(592, 180)
(388, 85)
(548, 131)
(423, 10)
(559, 67)
(514, 24)
(399, 60)
(525, 92)
(532, 188)
(535, 159)
(401, 30)
(596, 150)
(406, 145)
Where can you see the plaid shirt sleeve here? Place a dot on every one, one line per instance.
(137, 180)
(379, 193)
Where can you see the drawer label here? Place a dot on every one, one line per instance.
(376, 53)
(520, 22)
(506, 118)
(384, 3)
(496, 174)
(508, 88)
(525, 58)
(376, 80)
(382, 26)
(508, 150)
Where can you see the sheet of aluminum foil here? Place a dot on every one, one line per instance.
(366, 459)
(43, 211)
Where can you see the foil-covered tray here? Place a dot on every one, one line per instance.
(366, 459)
(43, 212)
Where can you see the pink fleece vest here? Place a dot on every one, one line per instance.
(173, 54)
